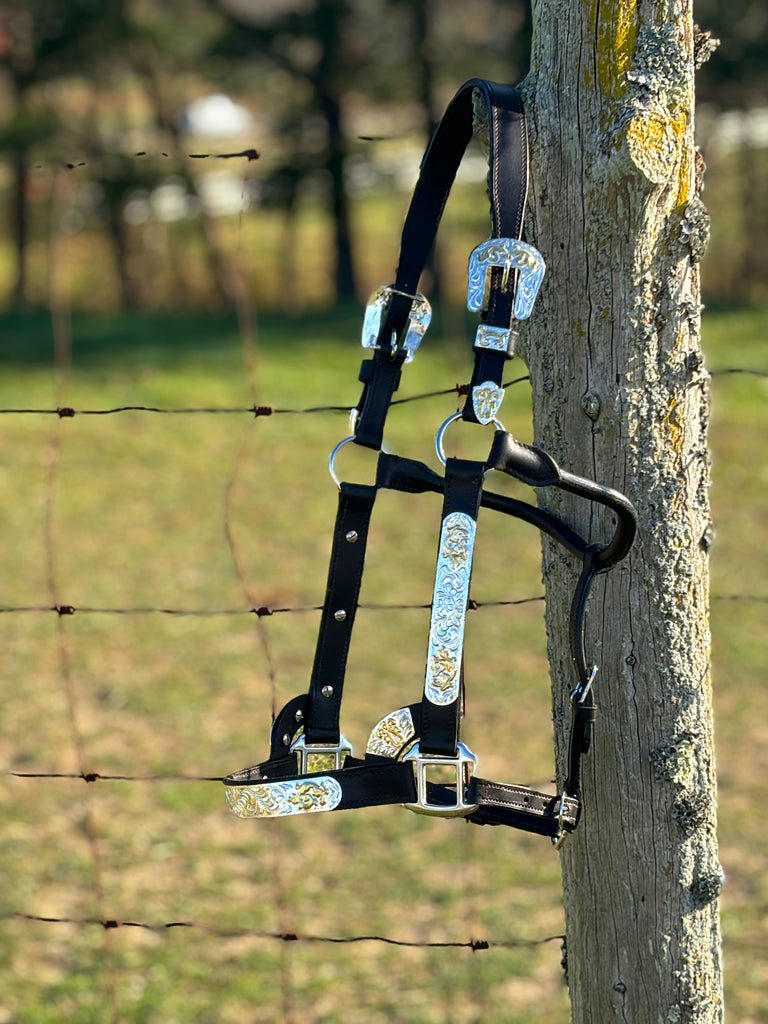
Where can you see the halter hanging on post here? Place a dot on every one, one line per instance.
(414, 755)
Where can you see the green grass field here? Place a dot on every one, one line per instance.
(131, 511)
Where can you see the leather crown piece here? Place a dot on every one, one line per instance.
(414, 755)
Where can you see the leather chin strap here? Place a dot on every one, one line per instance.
(414, 755)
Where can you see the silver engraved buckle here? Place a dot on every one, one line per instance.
(312, 758)
(509, 254)
(419, 319)
(451, 771)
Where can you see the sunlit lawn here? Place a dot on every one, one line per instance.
(127, 515)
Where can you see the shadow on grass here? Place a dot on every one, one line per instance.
(166, 339)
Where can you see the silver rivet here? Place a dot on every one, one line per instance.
(340, 615)
(352, 536)
(299, 716)
(327, 691)
(286, 740)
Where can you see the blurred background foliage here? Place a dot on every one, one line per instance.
(117, 118)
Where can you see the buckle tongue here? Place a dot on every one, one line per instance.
(419, 319)
(509, 254)
(436, 795)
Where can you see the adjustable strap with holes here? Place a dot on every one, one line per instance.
(414, 755)
(345, 573)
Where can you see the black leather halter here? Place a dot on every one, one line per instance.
(414, 755)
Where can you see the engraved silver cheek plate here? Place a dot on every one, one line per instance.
(510, 254)
(449, 608)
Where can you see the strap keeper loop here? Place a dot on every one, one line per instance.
(495, 339)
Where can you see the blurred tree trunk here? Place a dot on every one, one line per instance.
(129, 297)
(621, 395)
(330, 16)
(344, 273)
(148, 64)
(308, 43)
(20, 228)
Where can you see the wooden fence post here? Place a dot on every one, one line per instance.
(621, 394)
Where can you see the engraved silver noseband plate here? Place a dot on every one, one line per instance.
(279, 799)
(419, 319)
(510, 254)
(449, 608)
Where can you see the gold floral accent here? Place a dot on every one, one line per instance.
(442, 670)
(456, 537)
(391, 734)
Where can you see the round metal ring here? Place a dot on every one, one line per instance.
(441, 433)
(332, 458)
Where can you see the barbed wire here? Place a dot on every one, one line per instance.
(248, 154)
(99, 777)
(263, 611)
(110, 924)
(68, 412)
(460, 390)
(738, 369)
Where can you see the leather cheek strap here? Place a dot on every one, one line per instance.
(339, 607)
(507, 189)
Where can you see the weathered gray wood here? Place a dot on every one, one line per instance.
(621, 394)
